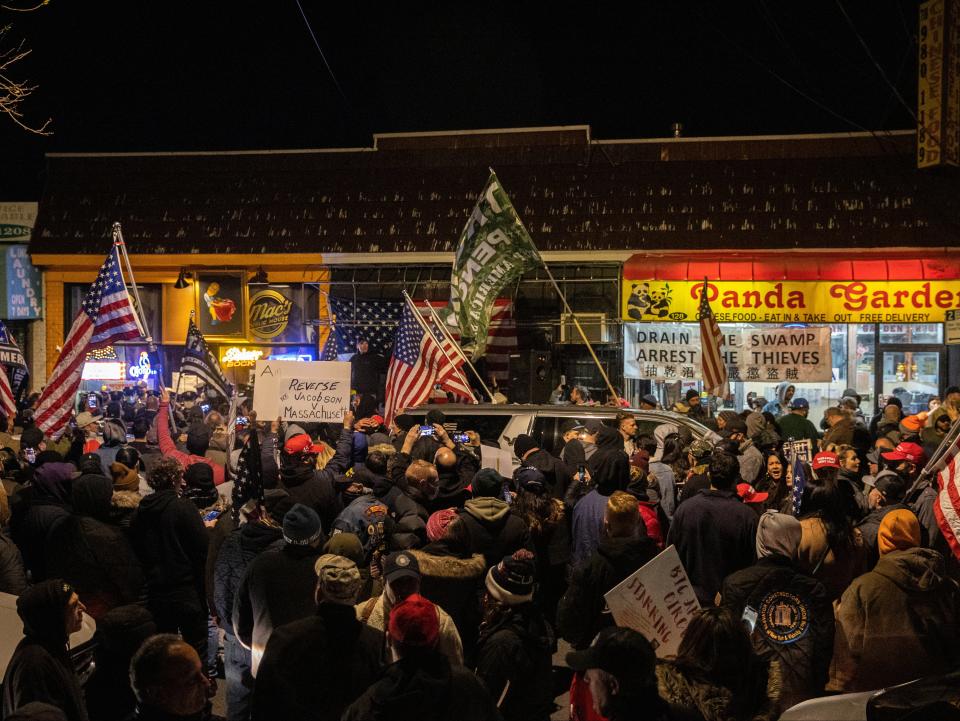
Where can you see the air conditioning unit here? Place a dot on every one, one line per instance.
(594, 326)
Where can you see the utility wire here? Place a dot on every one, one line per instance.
(322, 55)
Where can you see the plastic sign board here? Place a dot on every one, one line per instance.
(657, 600)
(312, 391)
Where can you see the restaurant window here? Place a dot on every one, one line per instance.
(150, 297)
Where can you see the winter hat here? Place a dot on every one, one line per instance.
(198, 485)
(405, 422)
(347, 545)
(778, 533)
(691, 394)
(523, 445)
(699, 449)
(198, 439)
(487, 482)
(511, 581)
(338, 579)
(438, 522)
(124, 479)
(122, 630)
(913, 424)
(414, 622)
(41, 607)
(899, 531)
(436, 416)
(90, 463)
(301, 526)
(378, 439)
(530, 479)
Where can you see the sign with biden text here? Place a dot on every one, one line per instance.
(657, 600)
(306, 391)
(670, 352)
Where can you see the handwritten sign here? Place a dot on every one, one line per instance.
(657, 600)
(311, 391)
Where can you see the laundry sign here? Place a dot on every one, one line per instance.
(672, 351)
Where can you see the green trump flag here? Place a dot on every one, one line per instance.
(494, 250)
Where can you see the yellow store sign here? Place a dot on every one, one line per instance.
(920, 301)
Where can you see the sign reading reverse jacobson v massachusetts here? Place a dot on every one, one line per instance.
(494, 250)
(314, 391)
(671, 351)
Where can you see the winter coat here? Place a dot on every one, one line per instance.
(856, 500)
(236, 553)
(376, 611)
(316, 488)
(40, 668)
(169, 448)
(13, 579)
(715, 535)
(37, 509)
(427, 688)
(581, 614)
(314, 668)
(453, 481)
(452, 584)
(277, 588)
(794, 426)
(577, 453)
(686, 689)
(517, 649)
(834, 567)
(557, 474)
(365, 371)
(123, 507)
(750, 461)
(922, 501)
(897, 623)
(848, 432)
(171, 542)
(666, 483)
(486, 526)
(587, 525)
(409, 528)
(794, 622)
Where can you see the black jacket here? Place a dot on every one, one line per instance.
(425, 688)
(13, 578)
(315, 667)
(715, 534)
(365, 371)
(486, 526)
(580, 615)
(518, 649)
(794, 622)
(557, 474)
(277, 588)
(870, 528)
(171, 542)
(236, 554)
(317, 488)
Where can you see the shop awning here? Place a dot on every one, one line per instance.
(796, 266)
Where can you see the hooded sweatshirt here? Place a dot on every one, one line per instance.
(486, 526)
(778, 406)
(40, 669)
(896, 623)
(666, 482)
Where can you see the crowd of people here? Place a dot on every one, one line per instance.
(359, 571)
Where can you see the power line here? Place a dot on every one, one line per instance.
(322, 55)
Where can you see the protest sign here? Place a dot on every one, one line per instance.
(657, 600)
(671, 351)
(317, 391)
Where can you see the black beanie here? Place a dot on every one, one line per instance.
(523, 444)
(198, 439)
(405, 422)
(198, 485)
(487, 482)
(41, 608)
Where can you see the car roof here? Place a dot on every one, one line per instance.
(559, 411)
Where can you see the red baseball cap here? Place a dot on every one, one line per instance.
(906, 452)
(748, 494)
(826, 459)
(302, 443)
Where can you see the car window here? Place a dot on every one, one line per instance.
(489, 427)
(546, 434)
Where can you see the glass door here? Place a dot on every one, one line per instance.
(913, 377)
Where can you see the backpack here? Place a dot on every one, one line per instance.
(369, 519)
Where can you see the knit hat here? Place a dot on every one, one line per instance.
(198, 439)
(913, 424)
(400, 564)
(487, 482)
(778, 533)
(347, 545)
(90, 463)
(124, 479)
(122, 630)
(523, 445)
(530, 479)
(438, 522)
(41, 607)
(511, 581)
(301, 526)
(198, 485)
(692, 393)
(338, 579)
(414, 622)
(899, 531)
(405, 422)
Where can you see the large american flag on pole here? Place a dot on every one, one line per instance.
(947, 506)
(419, 363)
(714, 368)
(107, 316)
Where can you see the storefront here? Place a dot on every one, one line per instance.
(874, 325)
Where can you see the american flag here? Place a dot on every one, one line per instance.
(14, 372)
(799, 483)
(714, 368)
(418, 364)
(7, 404)
(248, 482)
(200, 361)
(107, 316)
(947, 506)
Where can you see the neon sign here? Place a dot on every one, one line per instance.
(237, 357)
(142, 369)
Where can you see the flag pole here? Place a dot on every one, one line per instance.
(945, 444)
(423, 326)
(583, 335)
(456, 346)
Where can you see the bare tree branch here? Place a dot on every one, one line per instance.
(13, 92)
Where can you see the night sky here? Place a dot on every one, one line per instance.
(135, 76)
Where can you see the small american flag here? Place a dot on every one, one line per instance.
(799, 483)
(947, 506)
(107, 316)
(714, 369)
(418, 363)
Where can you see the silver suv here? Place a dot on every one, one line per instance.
(499, 425)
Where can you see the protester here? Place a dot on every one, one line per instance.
(198, 440)
(886, 494)
(40, 668)
(168, 681)
(795, 426)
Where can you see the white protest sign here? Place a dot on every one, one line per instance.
(317, 391)
(671, 351)
(657, 600)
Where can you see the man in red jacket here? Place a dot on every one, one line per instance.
(167, 447)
